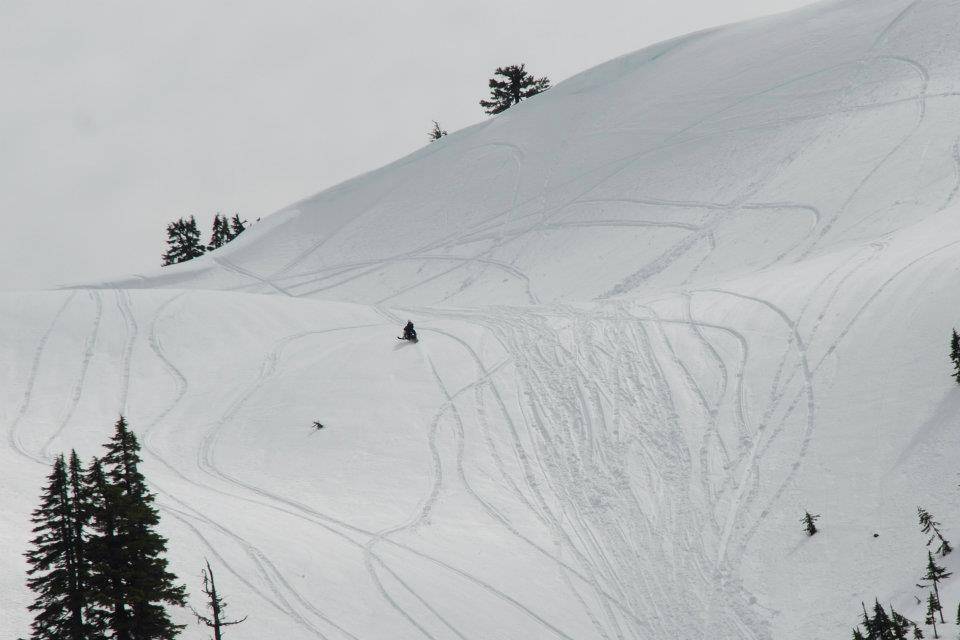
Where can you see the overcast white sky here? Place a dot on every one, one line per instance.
(118, 116)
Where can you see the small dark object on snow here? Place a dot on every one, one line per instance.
(876, 535)
(317, 426)
(808, 520)
(409, 333)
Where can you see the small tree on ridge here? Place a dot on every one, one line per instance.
(517, 85)
(183, 242)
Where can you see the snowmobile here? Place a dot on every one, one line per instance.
(409, 333)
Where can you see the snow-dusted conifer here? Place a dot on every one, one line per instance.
(809, 520)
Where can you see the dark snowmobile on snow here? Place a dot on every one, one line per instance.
(409, 333)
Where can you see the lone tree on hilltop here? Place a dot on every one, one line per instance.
(932, 528)
(517, 85)
(215, 603)
(436, 133)
(808, 521)
(955, 355)
(183, 242)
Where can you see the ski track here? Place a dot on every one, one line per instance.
(88, 354)
(292, 507)
(13, 436)
(229, 266)
(602, 451)
(583, 538)
(130, 320)
(282, 591)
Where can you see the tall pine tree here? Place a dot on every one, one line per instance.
(60, 607)
(517, 85)
(103, 551)
(80, 605)
(128, 569)
(183, 242)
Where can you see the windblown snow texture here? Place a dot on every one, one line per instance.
(664, 309)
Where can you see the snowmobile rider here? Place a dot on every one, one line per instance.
(409, 333)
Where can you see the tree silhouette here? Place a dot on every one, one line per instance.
(215, 603)
(517, 85)
(808, 521)
(931, 527)
(436, 133)
(183, 242)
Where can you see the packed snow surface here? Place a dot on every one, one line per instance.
(664, 308)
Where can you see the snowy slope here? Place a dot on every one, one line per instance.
(664, 307)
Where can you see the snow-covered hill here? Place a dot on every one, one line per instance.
(665, 308)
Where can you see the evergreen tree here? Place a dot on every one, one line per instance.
(237, 226)
(215, 603)
(901, 625)
(933, 606)
(934, 575)
(867, 623)
(80, 605)
(59, 608)
(808, 521)
(183, 242)
(882, 625)
(516, 85)
(128, 570)
(436, 133)
(931, 527)
(220, 234)
(955, 355)
(104, 552)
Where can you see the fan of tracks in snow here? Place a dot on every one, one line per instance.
(665, 307)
